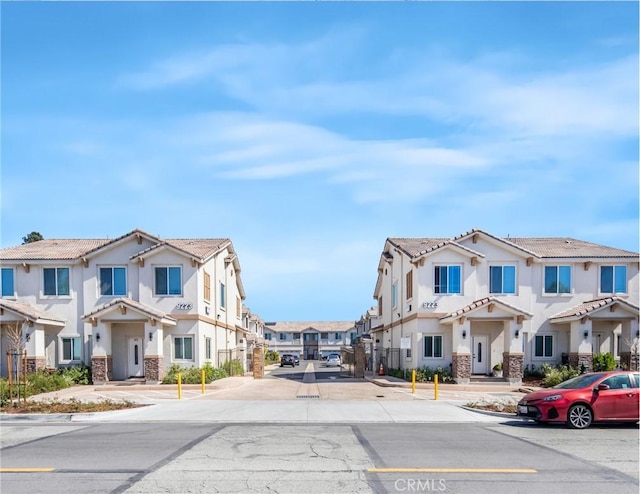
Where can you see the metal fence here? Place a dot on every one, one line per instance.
(226, 358)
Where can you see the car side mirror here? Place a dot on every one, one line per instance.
(602, 387)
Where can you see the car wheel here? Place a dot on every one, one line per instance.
(579, 417)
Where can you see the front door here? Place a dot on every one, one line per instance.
(480, 352)
(136, 359)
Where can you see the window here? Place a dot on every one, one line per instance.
(183, 348)
(394, 295)
(113, 281)
(238, 307)
(71, 349)
(502, 279)
(267, 336)
(618, 382)
(433, 346)
(557, 279)
(447, 279)
(409, 285)
(6, 282)
(207, 348)
(169, 280)
(207, 286)
(338, 336)
(223, 296)
(56, 281)
(543, 345)
(380, 306)
(324, 336)
(352, 337)
(613, 279)
(283, 336)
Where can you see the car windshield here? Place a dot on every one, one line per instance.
(583, 381)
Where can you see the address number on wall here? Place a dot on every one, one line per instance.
(430, 305)
(184, 306)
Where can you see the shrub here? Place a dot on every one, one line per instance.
(233, 367)
(554, 375)
(193, 374)
(604, 362)
(271, 357)
(533, 372)
(426, 374)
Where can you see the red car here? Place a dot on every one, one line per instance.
(594, 397)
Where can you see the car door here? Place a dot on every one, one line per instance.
(619, 401)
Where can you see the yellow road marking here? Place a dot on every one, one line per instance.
(20, 470)
(451, 470)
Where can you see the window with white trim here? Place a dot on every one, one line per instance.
(7, 282)
(56, 281)
(613, 279)
(394, 295)
(557, 279)
(207, 348)
(448, 279)
(543, 346)
(113, 281)
(168, 280)
(283, 336)
(183, 347)
(432, 346)
(71, 349)
(502, 279)
(267, 336)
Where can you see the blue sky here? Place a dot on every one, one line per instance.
(309, 132)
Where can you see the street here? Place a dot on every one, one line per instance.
(505, 457)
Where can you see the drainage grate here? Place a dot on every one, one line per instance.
(308, 396)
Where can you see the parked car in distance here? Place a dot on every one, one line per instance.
(594, 397)
(287, 359)
(333, 360)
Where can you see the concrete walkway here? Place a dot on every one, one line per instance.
(278, 399)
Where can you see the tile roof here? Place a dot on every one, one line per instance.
(541, 247)
(145, 309)
(591, 306)
(30, 312)
(477, 304)
(73, 249)
(321, 326)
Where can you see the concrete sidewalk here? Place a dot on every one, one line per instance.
(278, 399)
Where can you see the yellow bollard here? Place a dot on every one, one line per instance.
(179, 386)
(413, 381)
(202, 379)
(435, 387)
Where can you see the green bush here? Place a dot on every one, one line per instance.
(533, 371)
(233, 367)
(271, 357)
(604, 362)
(426, 374)
(193, 374)
(554, 375)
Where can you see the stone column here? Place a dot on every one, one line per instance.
(461, 367)
(153, 369)
(578, 360)
(360, 360)
(258, 362)
(35, 364)
(513, 367)
(99, 369)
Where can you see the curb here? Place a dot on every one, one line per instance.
(489, 412)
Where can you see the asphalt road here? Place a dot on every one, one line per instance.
(509, 457)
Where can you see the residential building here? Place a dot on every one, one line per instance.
(310, 340)
(128, 307)
(470, 302)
